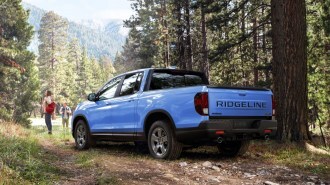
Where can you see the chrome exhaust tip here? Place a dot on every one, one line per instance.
(220, 140)
(266, 137)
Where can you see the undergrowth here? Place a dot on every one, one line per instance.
(22, 160)
(294, 156)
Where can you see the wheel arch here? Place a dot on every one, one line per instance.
(75, 121)
(155, 115)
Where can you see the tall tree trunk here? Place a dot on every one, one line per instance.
(242, 49)
(165, 31)
(180, 30)
(255, 53)
(189, 46)
(290, 68)
(205, 67)
(53, 49)
(167, 45)
(264, 49)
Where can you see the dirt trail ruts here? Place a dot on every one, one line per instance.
(64, 159)
(120, 163)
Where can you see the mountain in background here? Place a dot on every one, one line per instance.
(99, 38)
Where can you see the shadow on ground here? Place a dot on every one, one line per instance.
(128, 149)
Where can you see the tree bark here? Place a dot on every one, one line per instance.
(290, 68)
(166, 32)
(189, 46)
(242, 49)
(180, 30)
(255, 53)
(205, 63)
(264, 50)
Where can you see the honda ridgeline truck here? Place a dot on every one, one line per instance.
(166, 109)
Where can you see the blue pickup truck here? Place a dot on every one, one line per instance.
(166, 109)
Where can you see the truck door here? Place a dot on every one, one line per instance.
(100, 111)
(124, 114)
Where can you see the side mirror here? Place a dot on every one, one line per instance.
(91, 97)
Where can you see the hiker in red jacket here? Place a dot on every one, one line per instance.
(49, 107)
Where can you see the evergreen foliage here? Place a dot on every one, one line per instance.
(64, 67)
(229, 40)
(319, 60)
(52, 50)
(171, 33)
(99, 42)
(233, 37)
(19, 81)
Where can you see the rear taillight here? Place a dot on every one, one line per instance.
(273, 105)
(201, 102)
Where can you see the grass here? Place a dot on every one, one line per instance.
(293, 156)
(59, 137)
(107, 179)
(86, 158)
(22, 160)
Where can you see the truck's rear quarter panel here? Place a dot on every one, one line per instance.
(178, 102)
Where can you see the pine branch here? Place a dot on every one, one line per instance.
(223, 48)
(11, 63)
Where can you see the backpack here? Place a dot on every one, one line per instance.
(50, 108)
(63, 110)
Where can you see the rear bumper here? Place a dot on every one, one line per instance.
(228, 130)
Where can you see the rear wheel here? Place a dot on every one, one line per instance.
(233, 148)
(82, 136)
(161, 141)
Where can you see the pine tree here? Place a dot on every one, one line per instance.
(118, 63)
(107, 70)
(239, 45)
(26, 91)
(74, 53)
(19, 82)
(318, 61)
(145, 36)
(52, 49)
(71, 69)
(290, 68)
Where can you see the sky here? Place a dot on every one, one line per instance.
(77, 10)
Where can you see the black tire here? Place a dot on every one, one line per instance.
(233, 148)
(162, 143)
(82, 136)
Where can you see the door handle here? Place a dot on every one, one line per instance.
(130, 100)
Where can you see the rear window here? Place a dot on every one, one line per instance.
(168, 79)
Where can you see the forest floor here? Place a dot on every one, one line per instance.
(120, 163)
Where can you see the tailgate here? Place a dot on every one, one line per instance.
(239, 102)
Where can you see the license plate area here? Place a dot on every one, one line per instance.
(242, 125)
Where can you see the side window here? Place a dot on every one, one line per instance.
(109, 90)
(191, 80)
(131, 84)
(164, 80)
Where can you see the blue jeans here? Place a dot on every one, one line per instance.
(48, 120)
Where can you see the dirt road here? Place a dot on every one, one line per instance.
(120, 163)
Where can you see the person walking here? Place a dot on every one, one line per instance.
(65, 111)
(48, 107)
